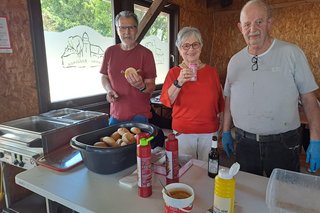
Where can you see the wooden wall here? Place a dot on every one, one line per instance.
(18, 89)
(296, 21)
(196, 13)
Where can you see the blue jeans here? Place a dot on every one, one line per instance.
(262, 157)
(137, 118)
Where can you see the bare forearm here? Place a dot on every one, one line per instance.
(312, 111)
(106, 83)
(173, 93)
(149, 86)
(227, 119)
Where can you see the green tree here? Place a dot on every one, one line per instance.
(60, 15)
(159, 26)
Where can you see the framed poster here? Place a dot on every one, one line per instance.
(5, 44)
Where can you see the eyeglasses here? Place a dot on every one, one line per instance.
(194, 45)
(124, 28)
(254, 61)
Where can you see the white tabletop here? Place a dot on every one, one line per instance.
(87, 192)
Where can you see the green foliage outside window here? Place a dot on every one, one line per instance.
(60, 15)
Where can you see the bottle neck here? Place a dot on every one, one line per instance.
(214, 144)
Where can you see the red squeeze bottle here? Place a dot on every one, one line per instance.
(144, 165)
(172, 159)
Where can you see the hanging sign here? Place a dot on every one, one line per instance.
(5, 44)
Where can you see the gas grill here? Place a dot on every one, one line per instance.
(24, 140)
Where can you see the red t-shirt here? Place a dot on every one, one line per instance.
(198, 103)
(131, 101)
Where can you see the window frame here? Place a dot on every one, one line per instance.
(96, 102)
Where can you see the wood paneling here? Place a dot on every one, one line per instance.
(18, 93)
(195, 13)
(297, 22)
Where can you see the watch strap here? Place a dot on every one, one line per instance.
(176, 84)
(143, 89)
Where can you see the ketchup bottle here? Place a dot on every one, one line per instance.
(172, 160)
(144, 165)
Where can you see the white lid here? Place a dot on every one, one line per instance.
(229, 173)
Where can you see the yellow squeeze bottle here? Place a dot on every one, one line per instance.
(224, 190)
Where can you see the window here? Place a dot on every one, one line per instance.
(69, 40)
(157, 40)
(76, 35)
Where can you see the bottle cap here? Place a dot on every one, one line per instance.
(145, 141)
(171, 137)
(229, 173)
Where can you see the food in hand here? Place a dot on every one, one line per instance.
(130, 71)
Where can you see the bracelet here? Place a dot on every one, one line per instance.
(143, 88)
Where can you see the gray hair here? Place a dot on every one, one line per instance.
(127, 14)
(260, 3)
(185, 33)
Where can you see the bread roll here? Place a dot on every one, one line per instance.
(118, 142)
(130, 71)
(123, 143)
(116, 135)
(109, 140)
(128, 138)
(122, 130)
(135, 130)
(100, 144)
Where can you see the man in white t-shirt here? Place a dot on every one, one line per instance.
(265, 81)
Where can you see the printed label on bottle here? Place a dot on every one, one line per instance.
(213, 166)
(172, 164)
(221, 205)
(144, 172)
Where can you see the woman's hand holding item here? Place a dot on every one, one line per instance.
(185, 75)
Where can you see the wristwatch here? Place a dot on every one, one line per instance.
(143, 88)
(176, 84)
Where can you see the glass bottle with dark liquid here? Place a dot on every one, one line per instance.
(213, 158)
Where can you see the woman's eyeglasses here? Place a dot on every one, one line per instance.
(254, 61)
(194, 45)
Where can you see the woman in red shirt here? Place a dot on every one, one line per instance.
(196, 104)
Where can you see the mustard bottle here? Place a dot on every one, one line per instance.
(224, 189)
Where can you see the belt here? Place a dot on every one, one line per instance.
(264, 138)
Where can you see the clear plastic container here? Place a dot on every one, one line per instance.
(289, 192)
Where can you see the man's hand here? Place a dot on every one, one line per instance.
(227, 142)
(313, 155)
(112, 96)
(135, 80)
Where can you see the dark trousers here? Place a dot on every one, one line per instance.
(274, 151)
